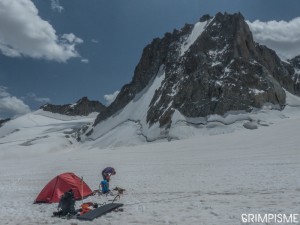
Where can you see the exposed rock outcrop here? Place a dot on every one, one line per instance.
(295, 63)
(3, 121)
(82, 107)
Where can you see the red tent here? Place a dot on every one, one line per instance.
(59, 185)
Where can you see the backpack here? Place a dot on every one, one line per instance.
(67, 204)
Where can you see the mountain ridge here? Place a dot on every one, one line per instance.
(195, 76)
(212, 67)
(82, 107)
(158, 100)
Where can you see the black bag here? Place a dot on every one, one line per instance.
(66, 204)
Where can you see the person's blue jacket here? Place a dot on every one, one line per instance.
(104, 186)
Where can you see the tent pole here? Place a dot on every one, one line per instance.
(81, 190)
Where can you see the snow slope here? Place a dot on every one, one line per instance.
(30, 132)
(207, 179)
(129, 125)
(133, 115)
(198, 28)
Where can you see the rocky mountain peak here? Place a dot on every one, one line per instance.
(82, 107)
(295, 62)
(211, 67)
(205, 18)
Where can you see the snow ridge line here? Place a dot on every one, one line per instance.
(140, 134)
(215, 121)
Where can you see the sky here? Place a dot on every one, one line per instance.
(57, 51)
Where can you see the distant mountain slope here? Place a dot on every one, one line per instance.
(82, 107)
(210, 68)
(39, 132)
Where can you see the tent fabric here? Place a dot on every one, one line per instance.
(59, 185)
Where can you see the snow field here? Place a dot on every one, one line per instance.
(212, 178)
(201, 180)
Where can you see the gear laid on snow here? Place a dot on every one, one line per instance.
(66, 204)
(86, 207)
(119, 190)
(92, 214)
(67, 188)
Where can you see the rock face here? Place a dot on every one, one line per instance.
(3, 121)
(295, 63)
(82, 107)
(212, 67)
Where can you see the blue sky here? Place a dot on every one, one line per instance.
(58, 51)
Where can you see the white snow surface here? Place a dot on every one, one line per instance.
(129, 126)
(131, 120)
(221, 172)
(29, 132)
(198, 28)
